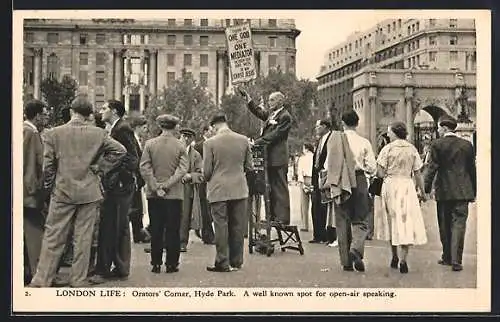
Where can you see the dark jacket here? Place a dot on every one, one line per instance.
(320, 165)
(274, 134)
(452, 162)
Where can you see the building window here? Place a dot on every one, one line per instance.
(136, 40)
(83, 39)
(99, 100)
(388, 28)
(272, 22)
(350, 47)
(144, 39)
(127, 39)
(171, 22)
(228, 22)
(273, 61)
(453, 56)
(272, 42)
(203, 40)
(83, 78)
(99, 78)
(418, 26)
(432, 22)
(170, 78)
(399, 23)
(171, 39)
(188, 75)
(204, 22)
(84, 59)
(52, 38)
(170, 59)
(100, 58)
(28, 70)
(28, 37)
(188, 40)
(453, 40)
(187, 59)
(238, 21)
(188, 22)
(203, 60)
(135, 71)
(100, 39)
(409, 30)
(432, 41)
(204, 79)
(292, 62)
(453, 23)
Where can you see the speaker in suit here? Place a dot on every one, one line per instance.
(227, 157)
(191, 178)
(114, 245)
(452, 164)
(207, 231)
(163, 164)
(277, 125)
(33, 219)
(71, 152)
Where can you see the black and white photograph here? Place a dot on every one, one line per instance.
(251, 161)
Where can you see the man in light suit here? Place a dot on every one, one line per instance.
(227, 157)
(278, 123)
(33, 219)
(114, 245)
(71, 154)
(191, 178)
(452, 164)
(163, 164)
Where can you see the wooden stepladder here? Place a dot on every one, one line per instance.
(260, 230)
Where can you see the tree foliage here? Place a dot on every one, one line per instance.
(186, 99)
(58, 95)
(300, 100)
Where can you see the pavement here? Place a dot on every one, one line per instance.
(318, 267)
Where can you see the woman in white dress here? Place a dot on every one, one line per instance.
(400, 218)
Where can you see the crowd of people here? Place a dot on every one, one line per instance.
(86, 181)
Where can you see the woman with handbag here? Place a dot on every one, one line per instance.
(400, 220)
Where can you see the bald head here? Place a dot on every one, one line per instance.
(276, 100)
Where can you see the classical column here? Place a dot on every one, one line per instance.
(141, 85)
(152, 71)
(118, 74)
(37, 72)
(127, 99)
(372, 100)
(220, 75)
(127, 83)
(409, 112)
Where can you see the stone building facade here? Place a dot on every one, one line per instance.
(131, 60)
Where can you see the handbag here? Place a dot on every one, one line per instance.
(375, 187)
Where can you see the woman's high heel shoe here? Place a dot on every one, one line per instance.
(394, 262)
(403, 268)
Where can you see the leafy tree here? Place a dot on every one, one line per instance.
(58, 95)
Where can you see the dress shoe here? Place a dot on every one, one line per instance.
(115, 275)
(197, 233)
(219, 269)
(209, 242)
(172, 269)
(97, 279)
(348, 268)
(156, 269)
(358, 262)
(394, 262)
(183, 249)
(84, 284)
(443, 262)
(304, 229)
(147, 250)
(403, 268)
(314, 241)
(333, 244)
(456, 267)
(58, 282)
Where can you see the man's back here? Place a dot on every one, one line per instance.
(226, 158)
(70, 150)
(453, 160)
(32, 167)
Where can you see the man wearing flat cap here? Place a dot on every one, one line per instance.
(164, 163)
(191, 215)
(226, 158)
(277, 125)
(452, 163)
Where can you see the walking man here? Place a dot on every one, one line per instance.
(70, 155)
(452, 164)
(227, 157)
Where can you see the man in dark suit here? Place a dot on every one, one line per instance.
(227, 157)
(33, 219)
(191, 180)
(452, 163)
(278, 123)
(164, 163)
(71, 153)
(319, 209)
(207, 231)
(114, 240)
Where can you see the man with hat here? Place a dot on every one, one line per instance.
(191, 215)
(164, 163)
(452, 162)
(227, 157)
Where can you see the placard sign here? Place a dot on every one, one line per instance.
(240, 53)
